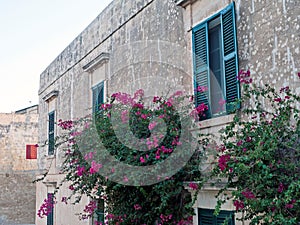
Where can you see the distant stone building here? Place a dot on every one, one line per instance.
(162, 45)
(18, 166)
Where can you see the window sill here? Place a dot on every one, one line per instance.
(50, 156)
(217, 121)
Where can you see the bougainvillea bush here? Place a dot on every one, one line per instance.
(137, 135)
(260, 155)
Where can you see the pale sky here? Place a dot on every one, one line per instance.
(32, 34)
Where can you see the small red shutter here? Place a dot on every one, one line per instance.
(31, 151)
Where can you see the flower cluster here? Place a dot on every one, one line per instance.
(66, 125)
(46, 208)
(244, 77)
(157, 130)
(90, 209)
(258, 156)
(222, 162)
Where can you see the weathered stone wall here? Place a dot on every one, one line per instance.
(17, 198)
(17, 192)
(268, 38)
(15, 132)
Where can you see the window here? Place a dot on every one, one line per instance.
(31, 151)
(98, 96)
(50, 216)
(51, 140)
(98, 216)
(215, 62)
(207, 217)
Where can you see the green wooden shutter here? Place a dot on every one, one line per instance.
(51, 138)
(99, 212)
(50, 217)
(225, 216)
(230, 57)
(201, 65)
(207, 217)
(98, 97)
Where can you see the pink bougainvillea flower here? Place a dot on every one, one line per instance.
(137, 207)
(90, 208)
(64, 199)
(201, 108)
(46, 208)
(169, 103)
(152, 125)
(165, 218)
(80, 170)
(249, 139)
(156, 99)
(142, 160)
(144, 116)
(157, 156)
(106, 106)
(66, 125)
(277, 99)
(138, 105)
(153, 143)
(89, 155)
(244, 77)
(124, 116)
(248, 194)
(221, 148)
(238, 205)
(139, 94)
(239, 143)
(222, 162)
(95, 167)
(280, 188)
(71, 187)
(284, 89)
(193, 185)
(201, 89)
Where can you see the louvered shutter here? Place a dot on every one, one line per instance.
(225, 216)
(206, 217)
(99, 212)
(100, 94)
(51, 133)
(98, 97)
(201, 65)
(50, 217)
(230, 57)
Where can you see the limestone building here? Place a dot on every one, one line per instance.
(162, 45)
(18, 166)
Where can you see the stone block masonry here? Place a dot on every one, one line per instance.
(17, 191)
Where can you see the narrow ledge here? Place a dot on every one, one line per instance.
(96, 62)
